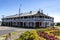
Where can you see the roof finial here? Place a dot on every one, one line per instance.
(30, 11)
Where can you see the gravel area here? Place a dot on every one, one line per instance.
(6, 30)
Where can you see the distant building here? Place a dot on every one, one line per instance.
(29, 19)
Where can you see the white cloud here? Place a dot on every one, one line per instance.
(56, 19)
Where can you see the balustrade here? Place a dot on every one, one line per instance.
(29, 19)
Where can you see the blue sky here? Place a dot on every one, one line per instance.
(50, 7)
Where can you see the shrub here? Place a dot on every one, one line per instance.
(30, 35)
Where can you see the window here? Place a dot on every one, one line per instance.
(21, 17)
(41, 16)
(14, 18)
(11, 18)
(17, 17)
(7, 18)
(45, 16)
(32, 16)
(14, 22)
(25, 17)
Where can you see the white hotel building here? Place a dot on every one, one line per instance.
(29, 19)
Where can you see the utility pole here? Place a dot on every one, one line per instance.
(19, 14)
(19, 10)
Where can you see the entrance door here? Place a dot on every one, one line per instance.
(37, 24)
(25, 24)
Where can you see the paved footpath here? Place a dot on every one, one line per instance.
(6, 30)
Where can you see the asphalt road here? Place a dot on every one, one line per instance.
(6, 30)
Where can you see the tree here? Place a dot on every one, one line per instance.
(58, 24)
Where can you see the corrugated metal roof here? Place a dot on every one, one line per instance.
(22, 14)
(26, 14)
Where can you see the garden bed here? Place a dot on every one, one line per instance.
(37, 34)
(41, 34)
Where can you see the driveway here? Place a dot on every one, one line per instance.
(6, 30)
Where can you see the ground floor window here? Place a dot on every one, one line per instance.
(21, 23)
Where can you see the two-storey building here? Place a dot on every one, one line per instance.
(29, 19)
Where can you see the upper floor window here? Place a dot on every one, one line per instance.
(32, 16)
(29, 16)
(45, 16)
(21, 17)
(41, 16)
(17, 17)
(14, 18)
(25, 17)
(7, 18)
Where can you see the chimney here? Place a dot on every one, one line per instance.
(30, 11)
(41, 11)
